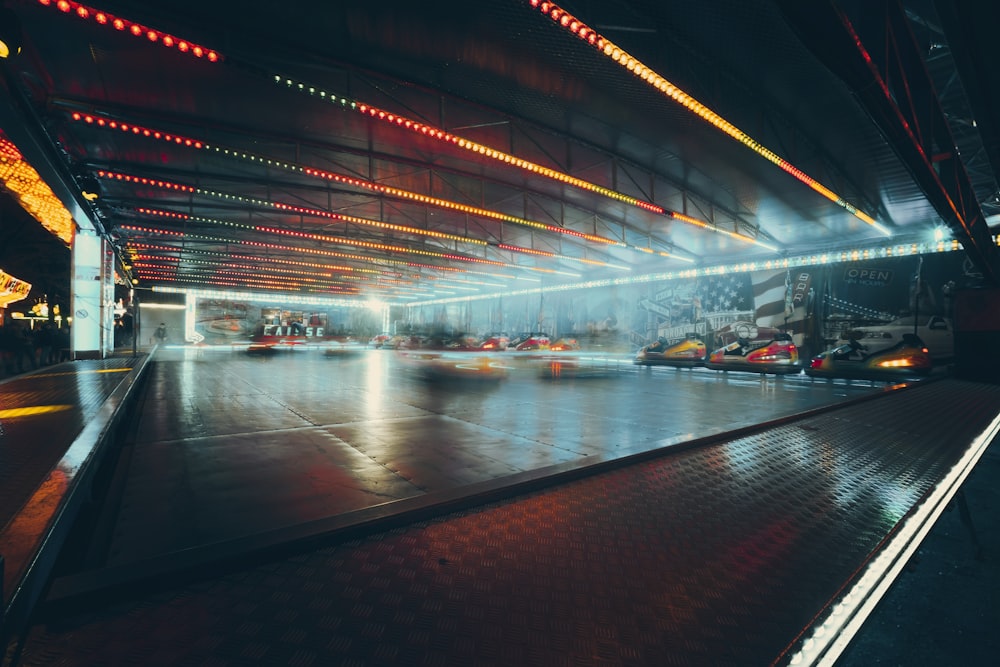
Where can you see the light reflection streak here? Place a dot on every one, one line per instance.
(22, 535)
(82, 372)
(31, 411)
(375, 386)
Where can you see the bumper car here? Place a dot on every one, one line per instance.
(380, 340)
(271, 344)
(531, 341)
(444, 366)
(565, 345)
(497, 342)
(908, 358)
(342, 347)
(779, 355)
(691, 351)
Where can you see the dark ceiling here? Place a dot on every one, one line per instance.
(267, 201)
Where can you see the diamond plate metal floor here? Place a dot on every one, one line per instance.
(728, 553)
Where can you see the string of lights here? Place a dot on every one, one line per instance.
(329, 215)
(328, 239)
(150, 261)
(138, 30)
(153, 36)
(507, 159)
(135, 249)
(636, 67)
(106, 121)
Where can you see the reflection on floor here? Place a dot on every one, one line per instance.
(327, 435)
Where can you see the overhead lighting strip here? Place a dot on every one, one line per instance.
(316, 251)
(449, 270)
(149, 261)
(184, 46)
(235, 295)
(636, 67)
(216, 279)
(725, 232)
(372, 186)
(251, 278)
(297, 210)
(106, 121)
(335, 178)
(222, 260)
(236, 283)
(136, 257)
(500, 156)
(329, 215)
(138, 30)
(325, 238)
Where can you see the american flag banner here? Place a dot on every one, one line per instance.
(724, 293)
(771, 290)
(781, 300)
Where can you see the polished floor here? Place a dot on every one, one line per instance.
(671, 560)
(243, 444)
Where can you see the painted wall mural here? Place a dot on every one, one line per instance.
(815, 304)
(221, 322)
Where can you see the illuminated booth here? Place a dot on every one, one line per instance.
(91, 276)
(12, 290)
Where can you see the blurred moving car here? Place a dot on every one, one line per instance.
(906, 359)
(342, 346)
(438, 365)
(689, 351)
(934, 331)
(779, 355)
(496, 342)
(531, 341)
(379, 340)
(565, 345)
(404, 342)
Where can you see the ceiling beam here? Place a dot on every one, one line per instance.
(871, 47)
(970, 28)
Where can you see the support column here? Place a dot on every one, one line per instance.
(977, 330)
(92, 333)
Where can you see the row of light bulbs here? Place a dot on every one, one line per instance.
(658, 82)
(101, 121)
(321, 213)
(32, 193)
(135, 29)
